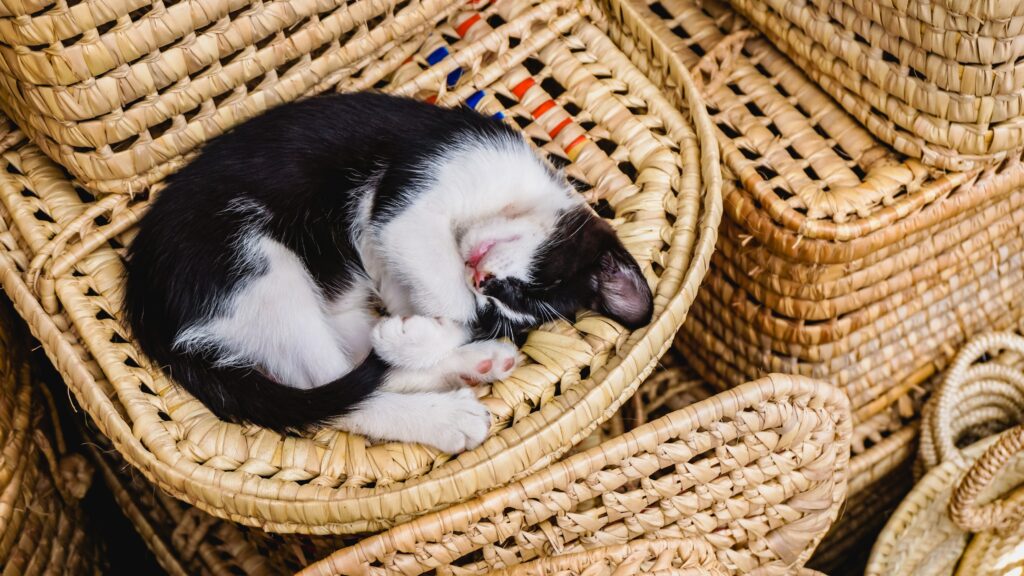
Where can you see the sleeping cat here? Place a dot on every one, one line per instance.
(259, 274)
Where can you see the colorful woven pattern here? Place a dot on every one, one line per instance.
(650, 165)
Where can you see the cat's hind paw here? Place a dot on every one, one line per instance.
(485, 362)
(463, 424)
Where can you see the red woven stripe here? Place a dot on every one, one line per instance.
(540, 110)
(579, 140)
(522, 87)
(465, 26)
(554, 131)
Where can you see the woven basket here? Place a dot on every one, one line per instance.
(184, 540)
(845, 549)
(42, 528)
(758, 472)
(668, 557)
(952, 98)
(839, 259)
(543, 65)
(930, 533)
(118, 91)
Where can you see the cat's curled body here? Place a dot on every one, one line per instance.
(257, 274)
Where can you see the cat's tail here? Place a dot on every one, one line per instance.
(246, 395)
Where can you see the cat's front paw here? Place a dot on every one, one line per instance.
(485, 362)
(465, 424)
(416, 341)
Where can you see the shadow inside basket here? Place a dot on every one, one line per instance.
(544, 66)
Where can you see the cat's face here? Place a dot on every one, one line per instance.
(528, 266)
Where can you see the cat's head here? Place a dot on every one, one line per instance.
(531, 264)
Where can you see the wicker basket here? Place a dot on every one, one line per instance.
(42, 527)
(758, 472)
(845, 549)
(952, 97)
(118, 91)
(543, 65)
(667, 557)
(930, 533)
(839, 258)
(184, 540)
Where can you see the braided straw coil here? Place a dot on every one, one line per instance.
(543, 65)
(758, 472)
(667, 557)
(119, 91)
(42, 527)
(957, 107)
(960, 492)
(839, 258)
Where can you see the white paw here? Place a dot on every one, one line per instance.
(462, 423)
(484, 362)
(416, 341)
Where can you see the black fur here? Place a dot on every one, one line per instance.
(305, 163)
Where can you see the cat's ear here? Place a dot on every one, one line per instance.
(622, 291)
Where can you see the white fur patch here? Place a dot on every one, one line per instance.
(276, 322)
(480, 192)
(451, 421)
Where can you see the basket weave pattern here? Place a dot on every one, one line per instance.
(951, 97)
(757, 472)
(930, 532)
(658, 557)
(42, 528)
(542, 65)
(119, 91)
(839, 258)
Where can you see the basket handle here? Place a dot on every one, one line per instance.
(940, 431)
(999, 515)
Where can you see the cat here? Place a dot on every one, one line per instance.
(352, 260)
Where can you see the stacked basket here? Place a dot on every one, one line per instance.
(118, 92)
(648, 165)
(747, 481)
(965, 514)
(42, 528)
(939, 80)
(839, 257)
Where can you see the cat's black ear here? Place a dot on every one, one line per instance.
(622, 291)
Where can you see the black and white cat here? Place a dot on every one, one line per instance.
(257, 275)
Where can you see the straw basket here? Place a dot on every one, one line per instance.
(937, 82)
(662, 557)
(42, 528)
(961, 492)
(649, 165)
(184, 540)
(119, 91)
(845, 549)
(839, 258)
(758, 473)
